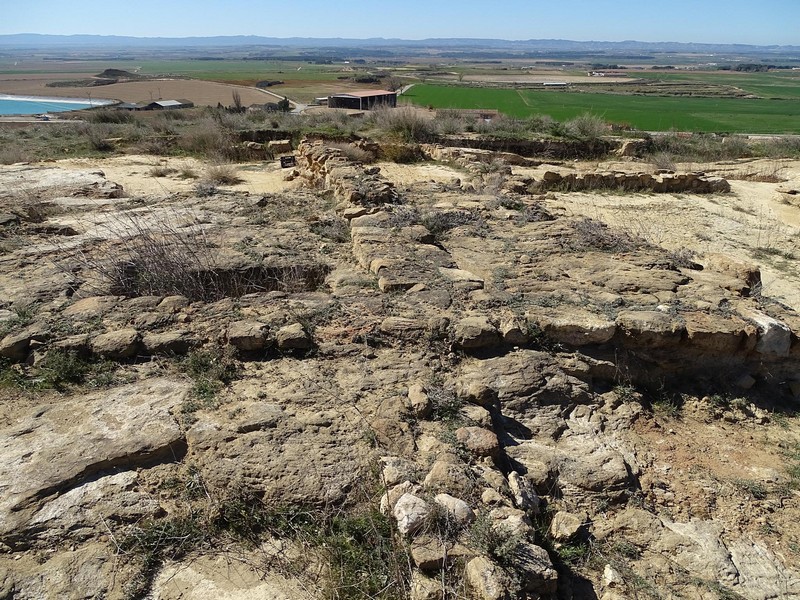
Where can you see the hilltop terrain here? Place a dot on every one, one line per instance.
(400, 370)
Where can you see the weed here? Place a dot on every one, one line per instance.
(589, 234)
(403, 216)
(211, 371)
(496, 543)
(587, 126)
(405, 124)
(353, 152)
(205, 189)
(439, 223)
(222, 174)
(446, 404)
(682, 258)
(161, 171)
(533, 213)
(754, 489)
(663, 161)
(332, 228)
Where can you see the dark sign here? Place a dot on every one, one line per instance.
(287, 161)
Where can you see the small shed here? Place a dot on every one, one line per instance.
(365, 100)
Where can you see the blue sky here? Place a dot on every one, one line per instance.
(714, 21)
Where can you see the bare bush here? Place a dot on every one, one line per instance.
(587, 126)
(439, 223)
(108, 115)
(222, 174)
(405, 123)
(590, 234)
(663, 161)
(170, 254)
(10, 154)
(353, 152)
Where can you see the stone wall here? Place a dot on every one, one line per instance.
(330, 169)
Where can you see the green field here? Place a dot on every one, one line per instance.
(784, 84)
(647, 113)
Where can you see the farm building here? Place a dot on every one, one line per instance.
(363, 100)
(167, 105)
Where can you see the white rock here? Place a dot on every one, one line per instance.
(459, 509)
(410, 513)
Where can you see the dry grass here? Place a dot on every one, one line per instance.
(222, 174)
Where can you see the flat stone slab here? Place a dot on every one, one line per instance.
(59, 446)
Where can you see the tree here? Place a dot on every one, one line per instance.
(393, 83)
(237, 101)
(284, 105)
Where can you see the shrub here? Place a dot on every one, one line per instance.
(596, 235)
(108, 115)
(159, 258)
(401, 153)
(439, 223)
(222, 174)
(353, 152)
(663, 160)
(334, 229)
(587, 126)
(406, 124)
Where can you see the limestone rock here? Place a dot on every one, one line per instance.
(479, 441)
(514, 332)
(511, 521)
(410, 512)
(403, 328)
(475, 332)
(525, 496)
(459, 509)
(61, 445)
(390, 497)
(774, 337)
(539, 575)
(447, 476)
(15, 346)
(170, 343)
(94, 306)
(396, 469)
(116, 345)
(425, 588)
(566, 526)
(293, 337)
(419, 401)
(429, 553)
(248, 336)
(486, 580)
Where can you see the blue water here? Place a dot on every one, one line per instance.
(34, 106)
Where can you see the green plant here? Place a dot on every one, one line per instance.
(211, 371)
(755, 489)
(499, 544)
(446, 404)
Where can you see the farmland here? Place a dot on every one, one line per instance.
(649, 113)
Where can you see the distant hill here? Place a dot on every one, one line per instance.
(34, 40)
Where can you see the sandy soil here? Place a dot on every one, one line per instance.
(136, 174)
(203, 93)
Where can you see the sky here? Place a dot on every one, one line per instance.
(764, 22)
